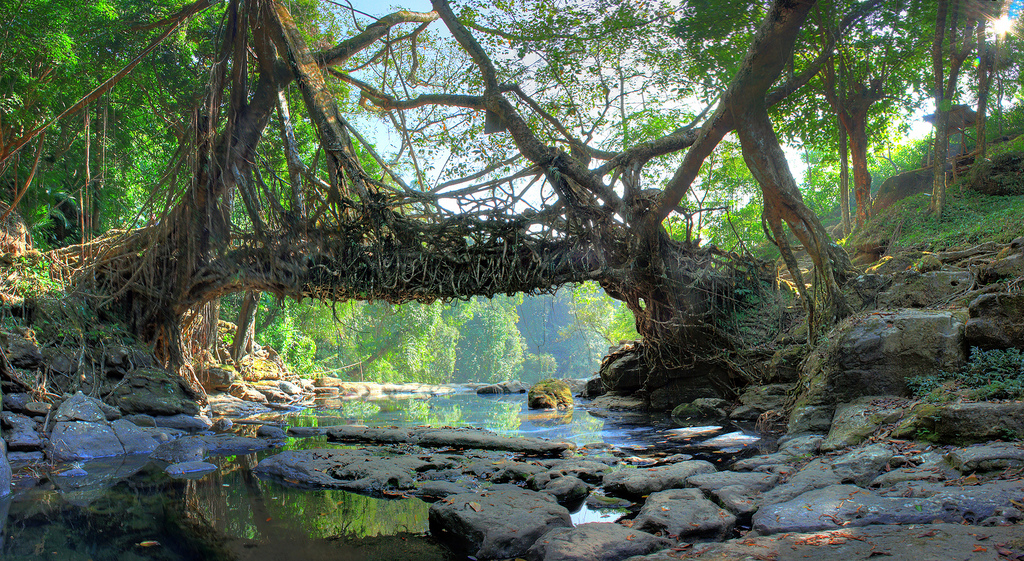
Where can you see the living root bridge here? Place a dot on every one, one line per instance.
(328, 267)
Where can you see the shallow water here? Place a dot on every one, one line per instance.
(129, 509)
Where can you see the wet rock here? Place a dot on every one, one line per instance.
(587, 470)
(861, 466)
(996, 321)
(133, 439)
(273, 394)
(962, 423)
(351, 470)
(189, 470)
(855, 422)
(436, 490)
(513, 386)
(892, 543)
(502, 522)
(80, 407)
(550, 394)
(245, 392)
(703, 409)
(593, 387)
(596, 541)
(306, 432)
(685, 514)
(632, 483)
(490, 389)
(22, 435)
(15, 402)
(567, 490)
(5, 471)
(271, 431)
(816, 475)
(25, 457)
(198, 447)
(188, 423)
(289, 388)
(22, 352)
(614, 401)
(477, 439)
(154, 392)
(757, 400)
(874, 354)
(222, 424)
(517, 472)
(736, 491)
(913, 289)
(849, 506)
(83, 440)
(141, 420)
(792, 449)
(598, 501)
(219, 377)
(987, 457)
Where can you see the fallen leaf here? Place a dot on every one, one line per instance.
(979, 549)
(148, 543)
(475, 506)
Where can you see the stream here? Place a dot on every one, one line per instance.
(127, 508)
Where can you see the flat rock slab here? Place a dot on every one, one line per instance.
(22, 436)
(987, 457)
(351, 470)
(502, 522)
(477, 439)
(631, 483)
(198, 447)
(850, 506)
(190, 470)
(686, 515)
(926, 542)
(596, 541)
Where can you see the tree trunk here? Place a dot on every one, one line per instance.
(984, 72)
(844, 178)
(245, 330)
(861, 177)
(941, 147)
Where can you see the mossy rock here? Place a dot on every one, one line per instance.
(154, 391)
(255, 369)
(1001, 175)
(963, 423)
(550, 394)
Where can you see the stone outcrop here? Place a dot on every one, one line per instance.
(1001, 175)
(901, 186)
(996, 321)
(871, 354)
(154, 391)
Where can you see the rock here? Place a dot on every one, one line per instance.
(614, 401)
(502, 522)
(490, 389)
(901, 186)
(685, 514)
(243, 391)
(550, 394)
(132, 438)
(189, 470)
(784, 366)
(478, 439)
(863, 290)
(567, 490)
(154, 391)
(513, 386)
(289, 388)
(198, 447)
(704, 409)
(271, 431)
(685, 386)
(15, 402)
(736, 491)
(987, 457)
(815, 475)
(83, 440)
(351, 470)
(222, 424)
(274, 395)
(791, 450)
(873, 354)
(854, 422)
(596, 541)
(255, 368)
(633, 483)
(42, 408)
(757, 400)
(913, 289)
(80, 407)
(61, 361)
(219, 377)
(861, 466)
(22, 436)
(141, 420)
(1008, 267)
(587, 470)
(621, 369)
(5, 471)
(847, 506)
(189, 423)
(22, 352)
(25, 457)
(593, 387)
(996, 321)
(962, 423)
(1000, 175)
(598, 501)
(518, 472)
(436, 490)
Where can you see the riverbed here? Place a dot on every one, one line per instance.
(128, 508)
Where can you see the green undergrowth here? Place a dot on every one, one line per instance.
(970, 218)
(988, 375)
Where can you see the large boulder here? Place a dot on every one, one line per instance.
(1001, 175)
(499, 523)
(550, 394)
(901, 186)
(913, 289)
(873, 354)
(621, 370)
(996, 321)
(596, 541)
(963, 423)
(154, 391)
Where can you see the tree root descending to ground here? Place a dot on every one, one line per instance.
(243, 212)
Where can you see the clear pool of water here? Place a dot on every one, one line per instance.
(127, 508)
